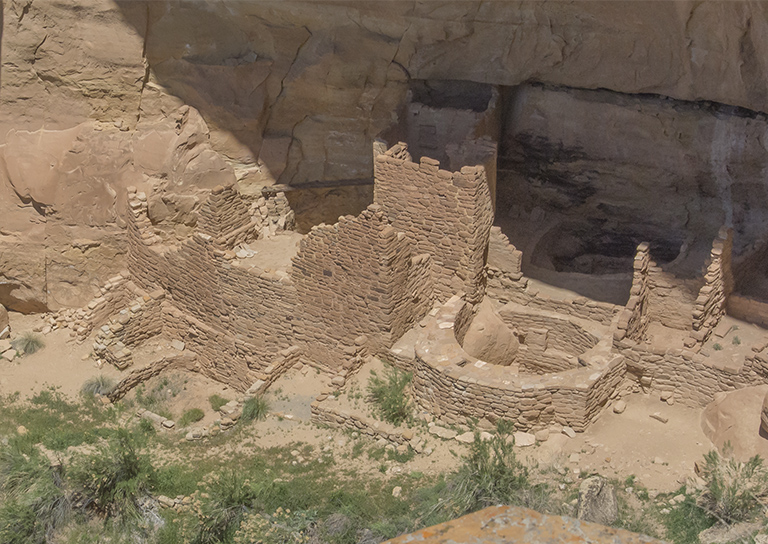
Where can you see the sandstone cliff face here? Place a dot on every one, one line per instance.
(288, 92)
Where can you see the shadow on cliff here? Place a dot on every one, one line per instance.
(210, 63)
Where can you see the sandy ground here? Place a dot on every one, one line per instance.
(62, 363)
(660, 455)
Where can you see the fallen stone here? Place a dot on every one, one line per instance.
(396, 491)
(169, 424)
(22, 430)
(9, 354)
(524, 440)
(570, 433)
(619, 407)
(178, 345)
(442, 432)
(466, 438)
(658, 417)
(542, 435)
(165, 502)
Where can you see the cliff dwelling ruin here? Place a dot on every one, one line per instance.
(426, 277)
(539, 213)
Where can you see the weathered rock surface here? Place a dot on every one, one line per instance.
(597, 501)
(488, 337)
(735, 417)
(296, 91)
(520, 525)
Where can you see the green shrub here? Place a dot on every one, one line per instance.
(736, 341)
(685, 521)
(717, 347)
(388, 395)
(490, 474)
(255, 409)
(217, 402)
(28, 343)
(97, 385)
(192, 415)
(113, 479)
(733, 491)
(32, 502)
(224, 498)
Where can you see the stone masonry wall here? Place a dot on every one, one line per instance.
(455, 386)
(506, 283)
(670, 299)
(692, 378)
(226, 213)
(633, 321)
(357, 278)
(718, 285)
(446, 214)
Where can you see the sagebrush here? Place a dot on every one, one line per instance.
(389, 395)
(734, 490)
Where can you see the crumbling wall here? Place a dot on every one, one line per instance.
(226, 216)
(633, 321)
(670, 299)
(357, 279)
(447, 215)
(506, 283)
(718, 285)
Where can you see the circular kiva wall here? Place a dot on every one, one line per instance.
(455, 386)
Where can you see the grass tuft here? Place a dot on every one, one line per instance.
(28, 343)
(733, 491)
(192, 415)
(255, 409)
(97, 385)
(217, 401)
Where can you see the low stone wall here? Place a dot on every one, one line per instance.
(324, 414)
(226, 215)
(184, 361)
(564, 333)
(138, 322)
(456, 387)
(692, 378)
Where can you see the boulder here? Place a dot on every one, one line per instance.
(488, 337)
(738, 417)
(597, 501)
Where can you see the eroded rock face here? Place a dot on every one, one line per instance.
(63, 196)
(489, 339)
(298, 89)
(292, 92)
